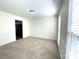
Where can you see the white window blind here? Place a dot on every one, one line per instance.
(75, 17)
(74, 54)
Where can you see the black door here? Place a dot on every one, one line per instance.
(19, 32)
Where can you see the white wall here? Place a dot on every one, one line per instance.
(7, 27)
(44, 27)
(63, 28)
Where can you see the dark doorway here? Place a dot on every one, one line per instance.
(19, 31)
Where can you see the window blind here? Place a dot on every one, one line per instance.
(74, 54)
(75, 17)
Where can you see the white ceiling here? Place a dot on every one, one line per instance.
(21, 7)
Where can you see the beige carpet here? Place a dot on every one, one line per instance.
(30, 48)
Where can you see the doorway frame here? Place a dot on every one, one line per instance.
(15, 28)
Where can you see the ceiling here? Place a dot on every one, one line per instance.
(22, 7)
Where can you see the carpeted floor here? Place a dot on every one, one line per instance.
(30, 48)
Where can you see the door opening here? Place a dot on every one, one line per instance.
(19, 30)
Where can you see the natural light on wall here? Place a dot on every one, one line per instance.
(59, 24)
(50, 11)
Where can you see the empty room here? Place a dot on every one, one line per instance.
(39, 29)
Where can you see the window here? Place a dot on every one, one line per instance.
(75, 17)
(74, 51)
